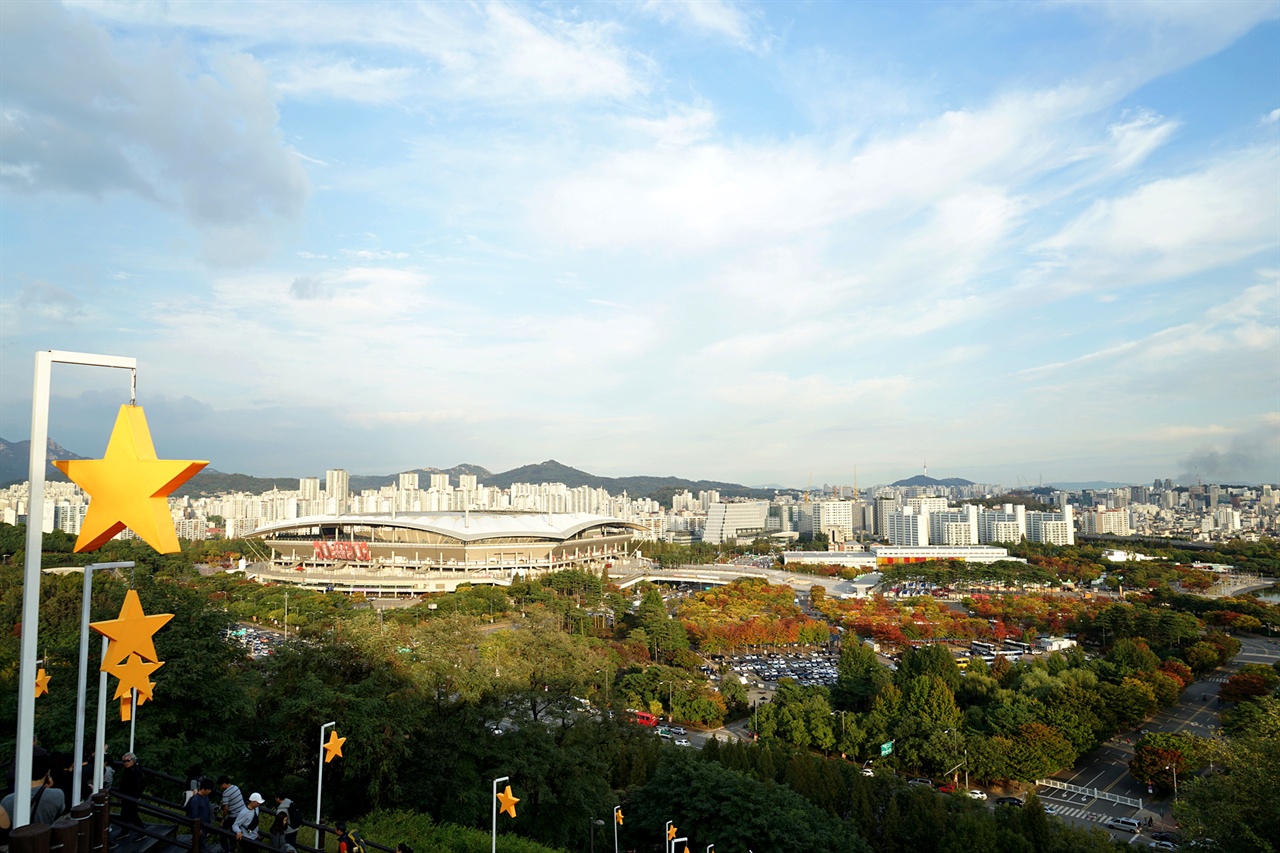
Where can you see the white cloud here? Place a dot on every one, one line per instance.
(486, 50)
(343, 78)
(87, 114)
(1172, 227)
(717, 17)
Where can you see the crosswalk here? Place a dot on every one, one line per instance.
(1078, 813)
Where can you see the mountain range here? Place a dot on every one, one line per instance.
(15, 456)
(922, 480)
(14, 460)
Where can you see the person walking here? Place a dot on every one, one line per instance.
(130, 783)
(246, 825)
(232, 805)
(284, 831)
(198, 807)
(47, 802)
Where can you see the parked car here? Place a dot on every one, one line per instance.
(920, 780)
(1008, 801)
(946, 789)
(1171, 837)
(683, 742)
(867, 771)
(978, 795)
(679, 730)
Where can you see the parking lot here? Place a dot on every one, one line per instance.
(805, 668)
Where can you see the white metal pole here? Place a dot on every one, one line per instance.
(133, 717)
(494, 846)
(38, 458)
(82, 684)
(320, 778)
(100, 742)
(615, 828)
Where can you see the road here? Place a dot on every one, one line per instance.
(1107, 767)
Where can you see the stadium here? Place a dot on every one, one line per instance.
(416, 553)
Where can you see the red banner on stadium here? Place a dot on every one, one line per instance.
(341, 550)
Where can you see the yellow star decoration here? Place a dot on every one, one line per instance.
(686, 848)
(42, 682)
(129, 486)
(126, 710)
(134, 673)
(333, 749)
(131, 633)
(618, 816)
(508, 801)
(672, 832)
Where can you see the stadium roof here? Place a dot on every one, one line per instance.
(465, 527)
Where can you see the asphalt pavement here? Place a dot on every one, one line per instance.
(1107, 767)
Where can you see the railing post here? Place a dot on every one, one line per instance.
(30, 838)
(63, 835)
(101, 823)
(197, 833)
(82, 814)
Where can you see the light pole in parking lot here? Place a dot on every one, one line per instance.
(1174, 768)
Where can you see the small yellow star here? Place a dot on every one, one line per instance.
(508, 801)
(42, 682)
(133, 673)
(126, 710)
(672, 832)
(686, 848)
(129, 486)
(333, 749)
(131, 633)
(618, 816)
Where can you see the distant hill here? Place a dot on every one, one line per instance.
(659, 488)
(210, 481)
(922, 480)
(15, 457)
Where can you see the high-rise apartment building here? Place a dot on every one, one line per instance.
(834, 519)
(409, 482)
(309, 488)
(907, 527)
(337, 487)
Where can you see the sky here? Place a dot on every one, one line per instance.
(751, 242)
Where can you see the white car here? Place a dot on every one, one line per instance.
(978, 795)
(683, 742)
(867, 771)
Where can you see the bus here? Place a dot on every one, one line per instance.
(1020, 646)
(979, 648)
(642, 718)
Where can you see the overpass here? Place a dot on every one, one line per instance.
(720, 575)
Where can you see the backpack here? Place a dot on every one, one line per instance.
(357, 843)
(295, 817)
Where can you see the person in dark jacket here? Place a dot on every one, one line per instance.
(198, 807)
(129, 782)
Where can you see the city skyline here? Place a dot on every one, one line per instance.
(752, 243)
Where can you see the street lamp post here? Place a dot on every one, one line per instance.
(616, 809)
(494, 802)
(320, 777)
(82, 683)
(38, 459)
(592, 823)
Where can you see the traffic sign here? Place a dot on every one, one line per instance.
(886, 748)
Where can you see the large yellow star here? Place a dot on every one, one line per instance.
(129, 486)
(618, 816)
(131, 633)
(42, 682)
(672, 832)
(508, 801)
(333, 749)
(135, 674)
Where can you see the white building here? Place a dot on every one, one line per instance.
(729, 522)
(833, 519)
(907, 527)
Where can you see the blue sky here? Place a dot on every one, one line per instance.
(749, 242)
